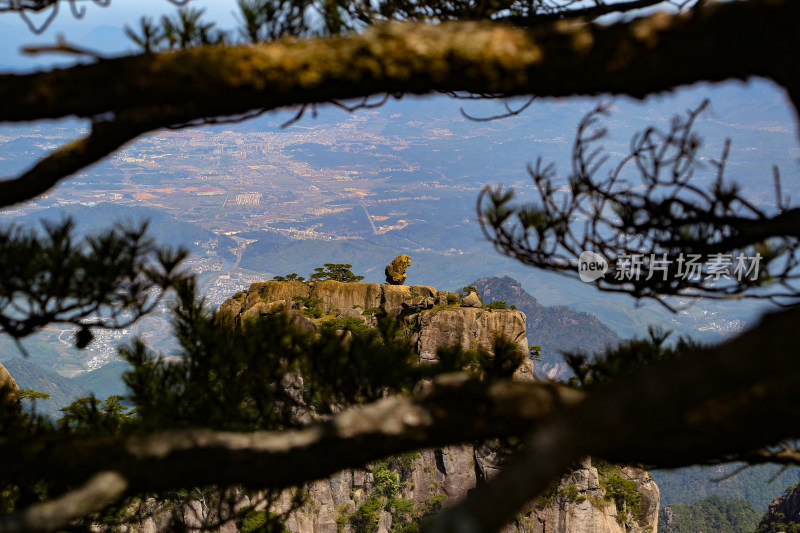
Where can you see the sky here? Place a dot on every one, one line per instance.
(101, 28)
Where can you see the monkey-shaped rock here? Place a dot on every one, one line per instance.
(396, 270)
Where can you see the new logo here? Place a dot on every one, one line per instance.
(591, 266)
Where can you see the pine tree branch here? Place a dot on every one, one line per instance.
(277, 459)
(101, 490)
(102, 140)
(588, 12)
(651, 54)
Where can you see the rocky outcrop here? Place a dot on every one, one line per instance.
(401, 491)
(8, 387)
(556, 329)
(331, 296)
(393, 296)
(6, 380)
(469, 327)
(585, 501)
(396, 270)
(432, 320)
(783, 513)
(472, 300)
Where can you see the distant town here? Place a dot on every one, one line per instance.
(368, 174)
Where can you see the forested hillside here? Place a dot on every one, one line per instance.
(712, 514)
(29, 375)
(104, 382)
(754, 484)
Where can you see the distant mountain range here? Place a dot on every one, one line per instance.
(162, 226)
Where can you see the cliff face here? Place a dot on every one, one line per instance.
(333, 296)
(581, 503)
(399, 493)
(468, 327)
(603, 499)
(432, 318)
(783, 513)
(555, 328)
(6, 381)
(8, 387)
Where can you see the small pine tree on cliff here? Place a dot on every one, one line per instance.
(336, 272)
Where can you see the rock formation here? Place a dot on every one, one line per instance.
(396, 270)
(8, 387)
(582, 502)
(556, 329)
(472, 300)
(397, 493)
(783, 513)
(432, 319)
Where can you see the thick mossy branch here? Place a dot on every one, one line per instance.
(445, 414)
(650, 54)
(104, 139)
(101, 490)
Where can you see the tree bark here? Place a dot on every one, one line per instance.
(720, 41)
(651, 54)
